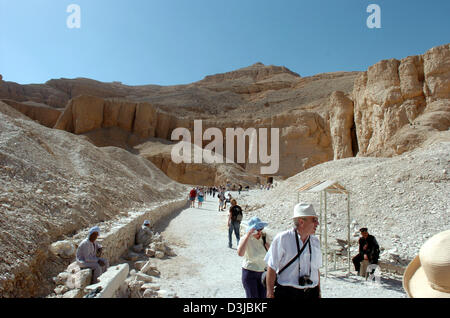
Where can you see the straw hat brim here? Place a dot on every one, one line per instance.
(416, 283)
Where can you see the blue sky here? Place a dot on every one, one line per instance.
(170, 42)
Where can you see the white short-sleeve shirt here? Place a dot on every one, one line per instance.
(283, 249)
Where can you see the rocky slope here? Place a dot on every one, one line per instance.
(54, 184)
(402, 200)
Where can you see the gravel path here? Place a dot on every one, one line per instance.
(206, 267)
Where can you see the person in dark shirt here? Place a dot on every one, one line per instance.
(368, 249)
(234, 222)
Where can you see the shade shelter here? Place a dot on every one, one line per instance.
(324, 188)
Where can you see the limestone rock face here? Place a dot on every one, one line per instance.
(303, 136)
(436, 71)
(87, 113)
(39, 112)
(392, 94)
(341, 122)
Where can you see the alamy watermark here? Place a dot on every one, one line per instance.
(373, 275)
(74, 19)
(374, 20)
(213, 152)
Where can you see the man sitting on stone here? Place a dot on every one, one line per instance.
(87, 255)
(368, 249)
(145, 234)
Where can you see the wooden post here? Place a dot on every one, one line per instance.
(326, 234)
(348, 232)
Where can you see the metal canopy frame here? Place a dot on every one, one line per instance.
(324, 187)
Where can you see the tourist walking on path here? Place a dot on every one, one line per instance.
(221, 197)
(253, 248)
(200, 197)
(192, 196)
(234, 222)
(294, 258)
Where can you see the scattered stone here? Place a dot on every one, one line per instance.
(59, 290)
(147, 267)
(159, 254)
(149, 293)
(74, 293)
(144, 277)
(150, 252)
(64, 249)
(151, 286)
(139, 265)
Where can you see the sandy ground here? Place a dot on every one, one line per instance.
(206, 267)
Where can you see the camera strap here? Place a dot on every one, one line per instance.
(299, 252)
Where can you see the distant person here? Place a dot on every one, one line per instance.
(428, 274)
(240, 189)
(368, 250)
(253, 247)
(294, 258)
(234, 222)
(145, 234)
(221, 197)
(200, 197)
(228, 198)
(192, 196)
(87, 253)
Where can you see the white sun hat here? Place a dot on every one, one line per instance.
(303, 209)
(428, 274)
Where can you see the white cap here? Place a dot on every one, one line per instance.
(303, 209)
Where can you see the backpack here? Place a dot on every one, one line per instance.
(193, 193)
(236, 213)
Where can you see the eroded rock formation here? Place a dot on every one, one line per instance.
(398, 104)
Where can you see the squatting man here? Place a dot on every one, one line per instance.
(89, 252)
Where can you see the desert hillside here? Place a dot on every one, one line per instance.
(54, 184)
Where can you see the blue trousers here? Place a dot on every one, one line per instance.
(234, 226)
(252, 284)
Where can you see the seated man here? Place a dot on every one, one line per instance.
(145, 234)
(87, 255)
(368, 249)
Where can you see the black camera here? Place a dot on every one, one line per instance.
(304, 280)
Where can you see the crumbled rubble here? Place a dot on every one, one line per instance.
(140, 283)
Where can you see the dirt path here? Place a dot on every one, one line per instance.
(204, 265)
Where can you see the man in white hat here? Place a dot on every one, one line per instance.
(294, 258)
(145, 234)
(428, 274)
(87, 254)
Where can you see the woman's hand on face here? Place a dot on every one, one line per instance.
(251, 230)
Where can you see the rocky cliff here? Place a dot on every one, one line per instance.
(393, 107)
(398, 105)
